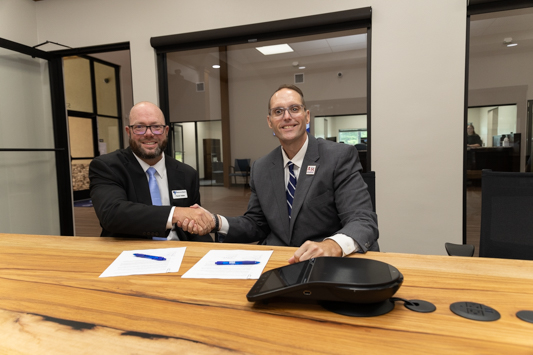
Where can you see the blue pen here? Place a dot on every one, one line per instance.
(160, 258)
(245, 262)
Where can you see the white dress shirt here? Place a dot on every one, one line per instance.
(162, 182)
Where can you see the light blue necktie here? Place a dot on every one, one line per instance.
(154, 188)
(291, 187)
(154, 192)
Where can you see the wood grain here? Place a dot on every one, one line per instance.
(52, 302)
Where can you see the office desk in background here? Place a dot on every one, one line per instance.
(52, 302)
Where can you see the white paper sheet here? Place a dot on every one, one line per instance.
(207, 269)
(128, 264)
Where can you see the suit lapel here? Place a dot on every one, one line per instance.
(277, 181)
(304, 181)
(139, 178)
(172, 177)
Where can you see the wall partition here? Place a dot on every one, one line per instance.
(92, 91)
(227, 76)
(34, 177)
(499, 82)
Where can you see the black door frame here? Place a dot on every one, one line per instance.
(59, 121)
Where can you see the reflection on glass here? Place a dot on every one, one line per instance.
(178, 142)
(81, 137)
(194, 85)
(25, 99)
(78, 92)
(106, 94)
(497, 101)
(108, 135)
(491, 123)
(330, 68)
(210, 149)
(28, 186)
(347, 129)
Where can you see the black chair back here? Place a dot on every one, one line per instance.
(506, 215)
(370, 180)
(242, 165)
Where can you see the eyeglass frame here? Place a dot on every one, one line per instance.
(146, 129)
(285, 109)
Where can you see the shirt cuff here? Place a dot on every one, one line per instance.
(347, 244)
(169, 220)
(224, 226)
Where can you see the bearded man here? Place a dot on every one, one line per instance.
(140, 192)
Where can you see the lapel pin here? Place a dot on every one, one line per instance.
(311, 170)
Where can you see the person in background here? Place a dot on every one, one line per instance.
(141, 192)
(473, 139)
(307, 193)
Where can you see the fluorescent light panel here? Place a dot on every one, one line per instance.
(276, 49)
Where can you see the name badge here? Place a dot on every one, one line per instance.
(177, 194)
(311, 169)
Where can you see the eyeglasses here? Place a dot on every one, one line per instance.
(141, 129)
(294, 110)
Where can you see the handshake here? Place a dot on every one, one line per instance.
(194, 219)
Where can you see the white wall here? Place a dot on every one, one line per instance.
(415, 44)
(417, 90)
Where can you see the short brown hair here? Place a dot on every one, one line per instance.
(290, 87)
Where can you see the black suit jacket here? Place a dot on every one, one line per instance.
(121, 196)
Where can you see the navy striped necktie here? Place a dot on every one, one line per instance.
(291, 187)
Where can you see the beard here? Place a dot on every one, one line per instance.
(141, 153)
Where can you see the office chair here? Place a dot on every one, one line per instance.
(361, 146)
(459, 249)
(370, 180)
(242, 169)
(506, 215)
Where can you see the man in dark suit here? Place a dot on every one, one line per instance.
(320, 204)
(125, 202)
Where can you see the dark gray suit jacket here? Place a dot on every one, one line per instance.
(121, 196)
(333, 200)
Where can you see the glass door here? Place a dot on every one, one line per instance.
(177, 142)
(34, 178)
(92, 88)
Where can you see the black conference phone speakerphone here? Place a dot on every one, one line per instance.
(352, 280)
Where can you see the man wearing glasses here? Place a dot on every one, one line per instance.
(308, 193)
(141, 192)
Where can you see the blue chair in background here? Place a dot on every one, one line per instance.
(240, 169)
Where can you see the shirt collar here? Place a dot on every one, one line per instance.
(298, 159)
(159, 166)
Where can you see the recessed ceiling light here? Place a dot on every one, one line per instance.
(216, 66)
(508, 41)
(276, 49)
(301, 67)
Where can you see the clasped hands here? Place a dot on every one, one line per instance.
(198, 220)
(194, 219)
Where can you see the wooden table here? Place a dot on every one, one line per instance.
(52, 302)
